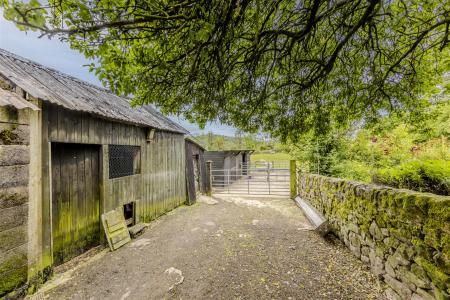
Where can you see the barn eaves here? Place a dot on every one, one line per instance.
(72, 93)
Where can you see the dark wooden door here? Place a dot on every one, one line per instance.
(75, 199)
(196, 174)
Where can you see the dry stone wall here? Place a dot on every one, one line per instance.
(403, 235)
(14, 160)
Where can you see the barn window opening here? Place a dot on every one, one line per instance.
(124, 160)
(128, 213)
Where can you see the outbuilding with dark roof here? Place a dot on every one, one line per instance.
(69, 152)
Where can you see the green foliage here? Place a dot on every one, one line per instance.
(271, 157)
(404, 151)
(258, 143)
(420, 175)
(282, 67)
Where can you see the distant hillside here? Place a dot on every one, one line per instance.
(241, 141)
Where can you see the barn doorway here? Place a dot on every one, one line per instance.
(75, 199)
(195, 159)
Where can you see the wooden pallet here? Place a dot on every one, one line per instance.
(116, 229)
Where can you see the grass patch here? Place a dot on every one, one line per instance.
(270, 157)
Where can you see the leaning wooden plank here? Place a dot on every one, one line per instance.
(118, 236)
(319, 222)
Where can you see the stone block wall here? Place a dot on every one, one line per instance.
(403, 235)
(14, 174)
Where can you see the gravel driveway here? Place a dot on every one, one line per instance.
(237, 248)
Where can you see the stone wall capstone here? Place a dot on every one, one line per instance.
(403, 235)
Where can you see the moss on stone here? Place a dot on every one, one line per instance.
(438, 277)
(420, 222)
(8, 136)
(13, 273)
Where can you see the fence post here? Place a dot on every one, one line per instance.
(210, 179)
(293, 175)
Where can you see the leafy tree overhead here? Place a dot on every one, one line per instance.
(279, 66)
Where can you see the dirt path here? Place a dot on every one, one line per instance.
(234, 249)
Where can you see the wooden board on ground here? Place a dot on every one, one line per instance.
(319, 222)
(115, 229)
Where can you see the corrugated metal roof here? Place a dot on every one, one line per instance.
(8, 98)
(55, 87)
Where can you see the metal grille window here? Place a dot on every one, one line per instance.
(124, 160)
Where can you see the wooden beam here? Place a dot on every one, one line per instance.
(318, 221)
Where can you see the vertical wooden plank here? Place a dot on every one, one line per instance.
(89, 199)
(95, 165)
(53, 122)
(65, 223)
(62, 135)
(73, 195)
(81, 205)
(77, 127)
(85, 128)
(91, 129)
(70, 126)
(110, 133)
(46, 193)
(56, 200)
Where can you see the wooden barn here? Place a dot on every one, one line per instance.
(227, 166)
(197, 174)
(70, 151)
(231, 160)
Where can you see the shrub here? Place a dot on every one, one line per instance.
(420, 175)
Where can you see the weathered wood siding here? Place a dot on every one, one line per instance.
(14, 163)
(158, 188)
(163, 175)
(217, 158)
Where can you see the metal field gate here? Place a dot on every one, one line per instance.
(256, 178)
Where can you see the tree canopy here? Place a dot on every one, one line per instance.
(280, 66)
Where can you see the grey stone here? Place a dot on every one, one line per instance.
(407, 276)
(375, 231)
(13, 217)
(14, 155)
(13, 134)
(13, 196)
(420, 273)
(369, 242)
(353, 227)
(401, 289)
(389, 269)
(12, 238)
(440, 294)
(385, 231)
(365, 259)
(391, 242)
(365, 250)
(376, 264)
(396, 259)
(391, 294)
(355, 244)
(417, 297)
(12, 176)
(424, 294)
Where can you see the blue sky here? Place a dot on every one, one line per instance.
(58, 55)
